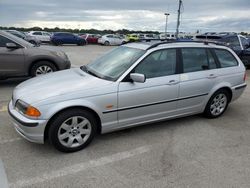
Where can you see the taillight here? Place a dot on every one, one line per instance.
(245, 76)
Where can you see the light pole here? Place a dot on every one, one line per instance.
(166, 26)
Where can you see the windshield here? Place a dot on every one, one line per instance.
(113, 64)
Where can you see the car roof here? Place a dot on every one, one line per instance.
(154, 45)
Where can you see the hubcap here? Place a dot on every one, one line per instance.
(74, 132)
(44, 69)
(218, 104)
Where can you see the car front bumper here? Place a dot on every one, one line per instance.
(31, 129)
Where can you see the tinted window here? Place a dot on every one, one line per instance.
(226, 59)
(37, 33)
(194, 59)
(233, 42)
(159, 63)
(4, 41)
(244, 42)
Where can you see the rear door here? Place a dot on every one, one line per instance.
(11, 60)
(199, 73)
(156, 98)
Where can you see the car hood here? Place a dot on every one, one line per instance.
(57, 84)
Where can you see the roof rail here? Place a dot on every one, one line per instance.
(176, 41)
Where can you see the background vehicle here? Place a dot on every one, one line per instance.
(236, 42)
(43, 36)
(20, 58)
(133, 84)
(28, 38)
(91, 38)
(111, 40)
(132, 37)
(60, 38)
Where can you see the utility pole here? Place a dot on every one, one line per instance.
(178, 19)
(166, 27)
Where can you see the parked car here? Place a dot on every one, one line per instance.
(61, 38)
(111, 40)
(237, 42)
(132, 37)
(91, 38)
(20, 58)
(132, 85)
(43, 36)
(28, 38)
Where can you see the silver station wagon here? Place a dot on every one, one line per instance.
(133, 84)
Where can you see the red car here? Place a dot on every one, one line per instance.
(91, 38)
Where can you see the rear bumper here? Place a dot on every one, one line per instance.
(238, 90)
(30, 129)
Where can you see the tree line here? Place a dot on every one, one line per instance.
(92, 31)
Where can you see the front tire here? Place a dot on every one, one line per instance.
(72, 130)
(41, 68)
(217, 104)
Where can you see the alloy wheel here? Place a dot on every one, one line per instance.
(74, 131)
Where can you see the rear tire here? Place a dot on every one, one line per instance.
(217, 104)
(41, 68)
(106, 43)
(72, 130)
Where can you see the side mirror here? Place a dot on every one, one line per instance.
(11, 45)
(136, 77)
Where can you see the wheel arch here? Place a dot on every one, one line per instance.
(99, 128)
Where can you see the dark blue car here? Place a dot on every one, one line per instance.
(60, 38)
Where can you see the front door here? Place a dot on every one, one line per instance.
(156, 98)
(11, 60)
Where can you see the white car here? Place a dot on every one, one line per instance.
(43, 36)
(111, 40)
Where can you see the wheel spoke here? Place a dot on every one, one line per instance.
(74, 121)
(85, 131)
(70, 141)
(79, 139)
(64, 135)
(83, 123)
(65, 126)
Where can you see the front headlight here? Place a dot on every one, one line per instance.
(27, 109)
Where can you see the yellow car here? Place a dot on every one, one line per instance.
(132, 37)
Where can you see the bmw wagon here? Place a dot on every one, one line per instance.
(134, 84)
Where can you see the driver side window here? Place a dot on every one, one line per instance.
(4, 41)
(158, 63)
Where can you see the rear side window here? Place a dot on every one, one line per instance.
(194, 59)
(37, 33)
(225, 58)
(4, 41)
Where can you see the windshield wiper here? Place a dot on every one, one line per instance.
(85, 69)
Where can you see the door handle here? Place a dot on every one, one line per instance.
(172, 82)
(211, 76)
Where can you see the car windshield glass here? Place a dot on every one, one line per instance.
(113, 64)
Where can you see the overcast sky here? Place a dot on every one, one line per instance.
(205, 15)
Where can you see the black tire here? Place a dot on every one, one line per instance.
(33, 42)
(57, 123)
(37, 65)
(106, 43)
(208, 110)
